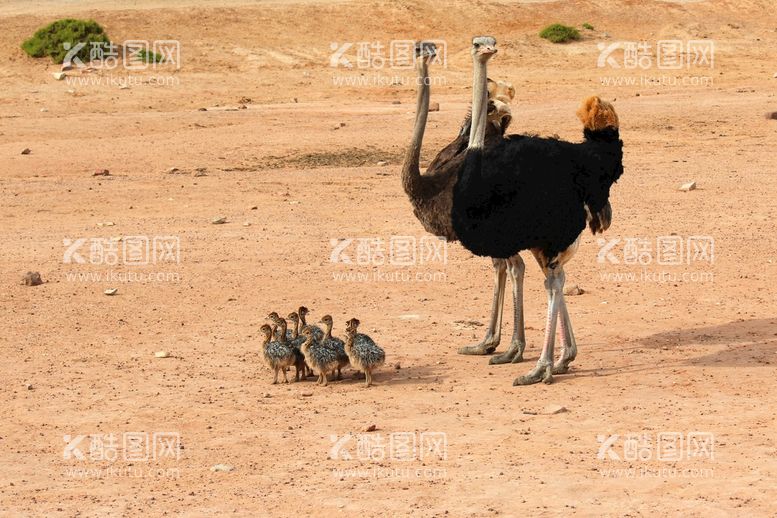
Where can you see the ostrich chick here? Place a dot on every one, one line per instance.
(334, 343)
(296, 341)
(320, 358)
(276, 355)
(287, 338)
(364, 353)
(318, 333)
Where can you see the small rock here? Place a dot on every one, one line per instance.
(573, 290)
(775, 75)
(688, 186)
(200, 171)
(202, 109)
(554, 409)
(225, 468)
(381, 163)
(29, 386)
(172, 170)
(267, 395)
(101, 172)
(771, 115)
(338, 126)
(306, 394)
(59, 76)
(434, 107)
(396, 102)
(32, 279)
(124, 86)
(246, 223)
(44, 110)
(254, 207)
(397, 366)
(161, 354)
(111, 291)
(245, 100)
(219, 220)
(371, 428)
(26, 151)
(295, 100)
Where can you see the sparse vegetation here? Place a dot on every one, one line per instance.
(588, 26)
(558, 33)
(149, 56)
(58, 38)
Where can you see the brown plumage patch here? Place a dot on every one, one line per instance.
(501, 91)
(596, 114)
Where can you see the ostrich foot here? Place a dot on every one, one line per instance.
(541, 372)
(512, 355)
(485, 347)
(562, 366)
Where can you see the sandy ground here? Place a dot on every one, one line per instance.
(692, 353)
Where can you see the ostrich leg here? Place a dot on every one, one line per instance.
(568, 344)
(494, 332)
(554, 284)
(516, 268)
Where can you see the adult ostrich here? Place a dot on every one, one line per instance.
(431, 195)
(530, 193)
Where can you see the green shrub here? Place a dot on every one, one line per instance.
(558, 33)
(57, 38)
(149, 56)
(588, 26)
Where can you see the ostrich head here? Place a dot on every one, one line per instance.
(266, 331)
(351, 326)
(306, 331)
(597, 115)
(327, 320)
(483, 47)
(293, 317)
(273, 317)
(425, 52)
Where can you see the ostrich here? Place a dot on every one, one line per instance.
(431, 195)
(530, 193)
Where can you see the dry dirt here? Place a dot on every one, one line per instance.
(696, 353)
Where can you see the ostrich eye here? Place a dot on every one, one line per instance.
(477, 45)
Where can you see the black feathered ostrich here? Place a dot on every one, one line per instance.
(431, 195)
(531, 193)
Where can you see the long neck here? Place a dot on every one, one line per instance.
(411, 174)
(295, 330)
(328, 333)
(282, 334)
(266, 342)
(302, 318)
(306, 344)
(477, 136)
(349, 340)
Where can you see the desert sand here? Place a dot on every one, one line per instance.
(684, 351)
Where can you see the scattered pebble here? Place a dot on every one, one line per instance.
(101, 172)
(254, 207)
(775, 75)
(306, 394)
(200, 171)
(26, 151)
(219, 220)
(172, 170)
(225, 468)
(29, 386)
(162, 354)
(554, 409)
(124, 86)
(267, 395)
(396, 102)
(44, 110)
(397, 366)
(111, 291)
(434, 107)
(202, 109)
(106, 224)
(381, 163)
(338, 126)
(772, 115)
(59, 76)
(246, 223)
(573, 290)
(371, 428)
(690, 186)
(32, 279)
